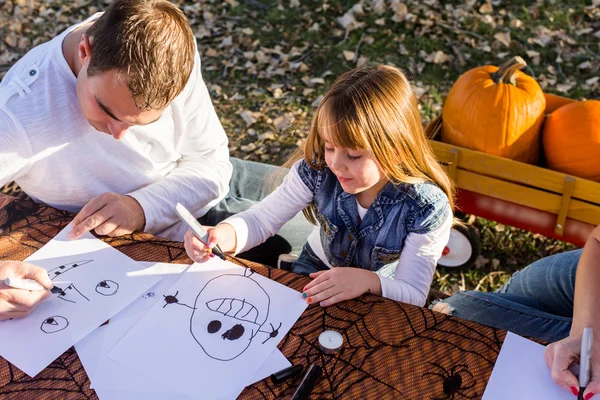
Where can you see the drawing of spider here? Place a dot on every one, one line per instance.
(453, 381)
(218, 317)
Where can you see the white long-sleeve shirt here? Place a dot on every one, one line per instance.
(412, 278)
(58, 158)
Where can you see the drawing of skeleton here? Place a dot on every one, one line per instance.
(225, 326)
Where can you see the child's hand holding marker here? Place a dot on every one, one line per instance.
(199, 251)
(19, 303)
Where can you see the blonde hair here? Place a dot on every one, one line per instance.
(151, 45)
(374, 108)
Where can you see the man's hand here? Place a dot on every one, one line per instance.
(109, 214)
(19, 303)
(338, 284)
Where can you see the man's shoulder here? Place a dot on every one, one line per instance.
(37, 57)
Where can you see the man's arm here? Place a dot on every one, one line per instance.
(15, 149)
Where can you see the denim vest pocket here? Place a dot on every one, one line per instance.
(328, 229)
(382, 256)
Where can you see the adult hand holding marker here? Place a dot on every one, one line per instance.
(576, 349)
(200, 243)
(20, 302)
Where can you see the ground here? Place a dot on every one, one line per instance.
(267, 63)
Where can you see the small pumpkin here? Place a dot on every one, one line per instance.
(496, 110)
(571, 139)
(553, 102)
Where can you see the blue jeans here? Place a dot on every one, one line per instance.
(536, 302)
(308, 262)
(250, 183)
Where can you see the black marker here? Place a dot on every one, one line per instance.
(308, 382)
(286, 373)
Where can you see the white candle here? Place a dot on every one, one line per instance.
(330, 341)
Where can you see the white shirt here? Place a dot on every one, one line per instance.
(412, 278)
(58, 158)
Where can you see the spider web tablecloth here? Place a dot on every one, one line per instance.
(391, 350)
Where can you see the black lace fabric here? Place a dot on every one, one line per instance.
(391, 350)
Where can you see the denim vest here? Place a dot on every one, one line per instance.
(378, 239)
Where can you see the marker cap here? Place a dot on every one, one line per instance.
(286, 373)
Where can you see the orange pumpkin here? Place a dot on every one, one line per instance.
(497, 111)
(571, 139)
(553, 102)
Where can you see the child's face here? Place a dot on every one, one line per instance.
(357, 171)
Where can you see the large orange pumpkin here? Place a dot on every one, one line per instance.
(571, 139)
(497, 111)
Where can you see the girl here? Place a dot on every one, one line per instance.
(380, 201)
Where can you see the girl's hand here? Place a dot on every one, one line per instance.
(222, 234)
(560, 355)
(339, 284)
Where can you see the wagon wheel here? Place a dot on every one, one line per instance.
(462, 249)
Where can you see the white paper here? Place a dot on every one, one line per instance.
(113, 380)
(521, 373)
(92, 349)
(212, 331)
(100, 281)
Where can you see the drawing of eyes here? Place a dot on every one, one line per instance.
(54, 324)
(107, 288)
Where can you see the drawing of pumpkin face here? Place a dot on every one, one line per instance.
(224, 326)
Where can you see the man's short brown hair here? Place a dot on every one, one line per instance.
(150, 43)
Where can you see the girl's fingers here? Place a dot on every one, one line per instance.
(318, 288)
(324, 295)
(332, 300)
(321, 277)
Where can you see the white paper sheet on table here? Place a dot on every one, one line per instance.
(112, 380)
(521, 373)
(199, 335)
(99, 284)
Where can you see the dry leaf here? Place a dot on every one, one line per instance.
(349, 55)
(503, 37)
(362, 60)
(486, 8)
(283, 122)
(564, 87)
(317, 101)
(248, 117)
(591, 81)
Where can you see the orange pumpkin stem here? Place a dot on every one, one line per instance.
(506, 72)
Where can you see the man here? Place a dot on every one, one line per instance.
(130, 74)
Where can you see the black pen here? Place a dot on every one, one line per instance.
(195, 227)
(308, 383)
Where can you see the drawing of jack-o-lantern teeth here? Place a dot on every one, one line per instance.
(225, 326)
